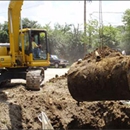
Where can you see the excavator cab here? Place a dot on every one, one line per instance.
(33, 44)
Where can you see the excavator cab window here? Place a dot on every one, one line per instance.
(39, 45)
(35, 42)
(43, 46)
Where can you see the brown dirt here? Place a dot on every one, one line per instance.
(104, 78)
(20, 109)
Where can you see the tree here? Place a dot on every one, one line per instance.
(58, 39)
(65, 41)
(75, 44)
(26, 23)
(92, 36)
(126, 35)
(120, 36)
(110, 36)
(4, 37)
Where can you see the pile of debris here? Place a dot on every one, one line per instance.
(102, 75)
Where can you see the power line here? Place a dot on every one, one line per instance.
(27, 7)
(97, 17)
(108, 12)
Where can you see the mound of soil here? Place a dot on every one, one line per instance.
(20, 109)
(102, 75)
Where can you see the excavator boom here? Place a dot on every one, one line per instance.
(14, 17)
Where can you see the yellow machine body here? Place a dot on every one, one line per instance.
(15, 55)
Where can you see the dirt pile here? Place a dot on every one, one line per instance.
(20, 109)
(102, 75)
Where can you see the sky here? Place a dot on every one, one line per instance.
(69, 12)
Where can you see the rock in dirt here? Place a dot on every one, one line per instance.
(102, 75)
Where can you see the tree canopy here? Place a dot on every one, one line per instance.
(67, 41)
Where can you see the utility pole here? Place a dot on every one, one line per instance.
(100, 24)
(84, 27)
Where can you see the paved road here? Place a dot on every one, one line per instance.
(49, 73)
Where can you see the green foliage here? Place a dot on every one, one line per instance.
(91, 39)
(126, 18)
(67, 41)
(110, 36)
(75, 45)
(26, 23)
(58, 39)
(126, 32)
(4, 38)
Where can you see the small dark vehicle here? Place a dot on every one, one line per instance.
(56, 62)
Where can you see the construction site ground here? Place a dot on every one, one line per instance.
(19, 109)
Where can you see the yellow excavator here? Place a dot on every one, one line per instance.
(17, 60)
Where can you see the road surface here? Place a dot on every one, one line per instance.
(49, 73)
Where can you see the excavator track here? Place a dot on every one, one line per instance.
(34, 79)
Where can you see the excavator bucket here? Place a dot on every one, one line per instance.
(102, 75)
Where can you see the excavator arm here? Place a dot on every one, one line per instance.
(14, 17)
